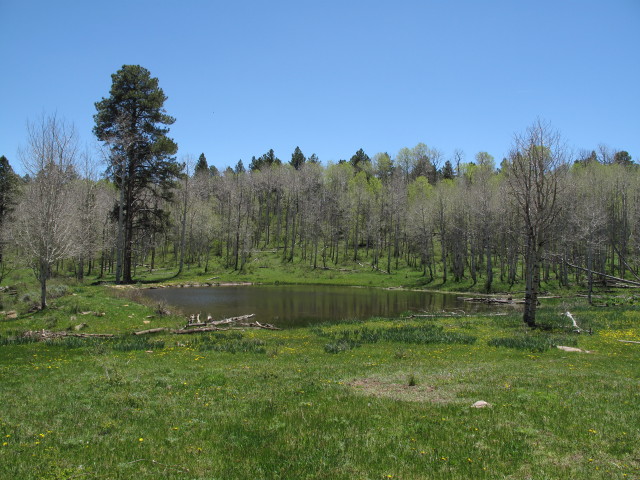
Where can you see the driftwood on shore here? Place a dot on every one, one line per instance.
(194, 325)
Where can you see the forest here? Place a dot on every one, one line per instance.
(542, 214)
(102, 381)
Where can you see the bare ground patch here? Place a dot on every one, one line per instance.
(399, 389)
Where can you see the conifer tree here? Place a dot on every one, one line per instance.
(133, 124)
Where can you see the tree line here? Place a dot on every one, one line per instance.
(536, 216)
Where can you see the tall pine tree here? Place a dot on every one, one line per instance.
(134, 125)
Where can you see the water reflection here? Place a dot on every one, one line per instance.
(301, 305)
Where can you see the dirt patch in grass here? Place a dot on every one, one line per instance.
(397, 389)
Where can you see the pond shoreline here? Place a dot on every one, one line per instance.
(284, 305)
(157, 286)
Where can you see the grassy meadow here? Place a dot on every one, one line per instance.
(380, 399)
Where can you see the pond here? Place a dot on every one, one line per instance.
(302, 305)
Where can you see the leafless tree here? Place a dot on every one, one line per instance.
(46, 220)
(537, 165)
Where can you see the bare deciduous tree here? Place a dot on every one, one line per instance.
(537, 164)
(45, 219)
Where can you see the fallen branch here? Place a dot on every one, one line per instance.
(600, 274)
(573, 321)
(47, 334)
(628, 341)
(196, 330)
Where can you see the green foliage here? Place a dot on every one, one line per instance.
(133, 124)
(297, 158)
(9, 186)
(360, 161)
(267, 160)
(447, 171)
(623, 158)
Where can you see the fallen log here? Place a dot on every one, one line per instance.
(231, 319)
(628, 341)
(491, 300)
(151, 330)
(600, 274)
(47, 334)
(183, 331)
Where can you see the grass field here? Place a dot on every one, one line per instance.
(385, 398)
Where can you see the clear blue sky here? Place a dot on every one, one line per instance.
(333, 76)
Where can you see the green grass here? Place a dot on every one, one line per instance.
(265, 404)
(376, 399)
(267, 267)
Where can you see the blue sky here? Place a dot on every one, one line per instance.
(334, 76)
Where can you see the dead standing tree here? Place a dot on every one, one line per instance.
(536, 166)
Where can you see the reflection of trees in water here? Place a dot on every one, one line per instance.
(300, 305)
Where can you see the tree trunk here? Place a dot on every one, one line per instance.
(183, 231)
(488, 282)
(44, 273)
(120, 240)
(532, 282)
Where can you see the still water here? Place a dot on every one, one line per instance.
(302, 305)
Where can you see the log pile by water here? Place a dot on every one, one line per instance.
(195, 325)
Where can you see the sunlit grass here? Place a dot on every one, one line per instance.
(393, 402)
(206, 407)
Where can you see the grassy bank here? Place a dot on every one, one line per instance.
(371, 400)
(267, 267)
